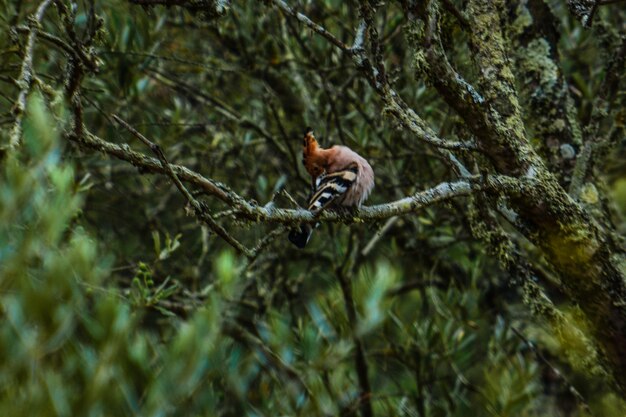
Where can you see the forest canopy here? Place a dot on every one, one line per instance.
(151, 171)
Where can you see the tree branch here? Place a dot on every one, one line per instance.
(597, 145)
(585, 10)
(311, 25)
(269, 214)
(88, 60)
(199, 210)
(544, 91)
(25, 79)
(394, 105)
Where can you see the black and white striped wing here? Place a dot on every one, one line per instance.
(331, 188)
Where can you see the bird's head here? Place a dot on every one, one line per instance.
(309, 140)
(312, 157)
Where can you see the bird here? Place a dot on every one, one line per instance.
(340, 178)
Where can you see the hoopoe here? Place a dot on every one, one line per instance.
(339, 177)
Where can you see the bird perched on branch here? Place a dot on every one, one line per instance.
(340, 177)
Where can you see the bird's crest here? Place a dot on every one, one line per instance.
(312, 155)
(309, 139)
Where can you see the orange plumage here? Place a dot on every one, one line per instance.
(314, 158)
(317, 161)
(339, 177)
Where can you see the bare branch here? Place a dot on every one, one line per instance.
(370, 245)
(544, 91)
(585, 10)
(221, 107)
(394, 104)
(269, 214)
(25, 79)
(199, 211)
(311, 25)
(572, 389)
(78, 53)
(597, 145)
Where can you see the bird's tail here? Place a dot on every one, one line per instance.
(301, 235)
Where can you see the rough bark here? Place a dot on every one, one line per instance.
(549, 108)
(588, 259)
(589, 262)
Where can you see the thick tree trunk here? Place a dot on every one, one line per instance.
(588, 260)
(585, 254)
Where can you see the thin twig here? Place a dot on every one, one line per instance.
(554, 369)
(311, 25)
(591, 154)
(198, 209)
(393, 102)
(265, 241)
(370, 245)
(77, 52)
(219, 105)
(589, 18)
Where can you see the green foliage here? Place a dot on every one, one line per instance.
(115, 302)
(79, 346)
